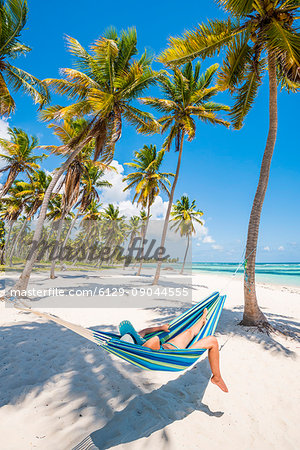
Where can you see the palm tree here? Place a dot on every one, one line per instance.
(13, 17)
(91, 180)
(91, 223)
(11, 208)
(33, 194)
(184, 215)
(18, 156)
(187, 97)
(58, 214)
(262, 35)
(134, 227)
(2, 241)
(113, 228)
(103, 85)
(148, 181)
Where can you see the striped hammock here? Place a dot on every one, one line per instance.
(145, 358)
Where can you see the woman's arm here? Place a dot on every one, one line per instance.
(154, 330)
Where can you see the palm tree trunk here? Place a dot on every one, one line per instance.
(166, 223)
(22, 283)
(185, 255)
(56, 247)
(10, 179)
(16, 241)
(143, 241)
(6, 243)
(69, 231)
(252, 314)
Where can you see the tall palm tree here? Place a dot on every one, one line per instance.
(147, 181)
(103, 84)
(260, 36)
(13, 17)
(184, 215)
(187, 97)
(19, 156)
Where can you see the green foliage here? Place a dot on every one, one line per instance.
(147, 178)
(102, 84)
(256, 29)
(13, 17)
(188, 95)
(184, 214)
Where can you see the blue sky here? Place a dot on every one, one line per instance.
(220, 167)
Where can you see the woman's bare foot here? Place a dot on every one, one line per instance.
(219, 382)
(204, 316)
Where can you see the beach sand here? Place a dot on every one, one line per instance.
(58, 390)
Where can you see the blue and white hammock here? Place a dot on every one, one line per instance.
(146, 358)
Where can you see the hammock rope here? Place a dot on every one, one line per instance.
(146, 358)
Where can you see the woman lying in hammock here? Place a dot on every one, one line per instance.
(183, 339)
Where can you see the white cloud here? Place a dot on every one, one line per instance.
(281, 248)
(118, 197)
(208, 240)
(116, 193)
(4, 125)
(267, 248)
(217, 247)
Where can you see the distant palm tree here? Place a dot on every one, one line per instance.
(33, 194)
(11, 208)
(19, 156)
(113, 229)
(91, 180)
(187, 97)
(70, 182)
(13, 18)
(103, 85)
(260, 36)
(2, 241)
(148, 181)
(134, 228)
(57, 213)
(184, 215)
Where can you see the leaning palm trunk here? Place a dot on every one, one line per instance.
(166, 223)
(22, 283)
(185, 255)
(143, 242)
(252, 313)
(10, 179)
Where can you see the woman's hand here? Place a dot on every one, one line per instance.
(165, 327)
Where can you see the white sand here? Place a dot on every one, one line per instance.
(58, 390)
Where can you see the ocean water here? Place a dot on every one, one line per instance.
(285, 274)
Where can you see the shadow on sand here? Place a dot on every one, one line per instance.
(86, 371)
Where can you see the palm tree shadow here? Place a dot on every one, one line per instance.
(151, 412)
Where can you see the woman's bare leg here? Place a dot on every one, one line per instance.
(211, 343)
(183, 339)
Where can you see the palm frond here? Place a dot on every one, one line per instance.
(207, 40)
(31, 85)
(246, 95)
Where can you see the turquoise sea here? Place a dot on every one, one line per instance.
(286, 274)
